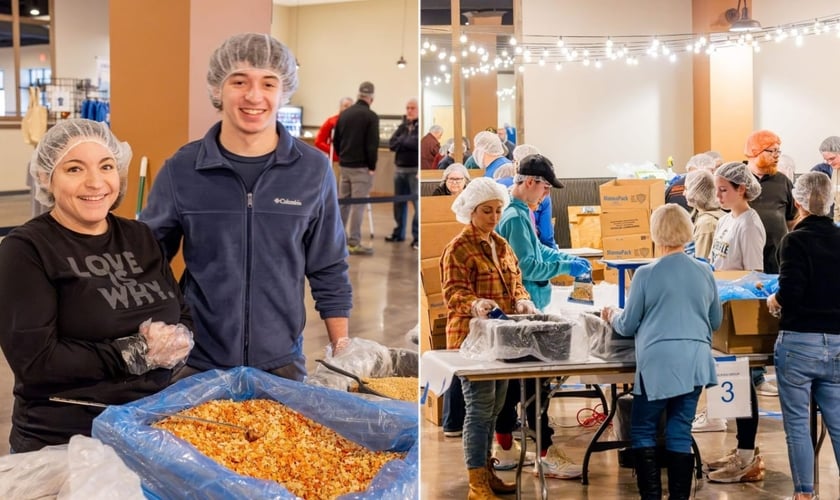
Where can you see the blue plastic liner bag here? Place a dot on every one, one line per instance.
(754, 285)
(171, 468)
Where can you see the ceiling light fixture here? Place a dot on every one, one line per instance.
(401, 62)
(740, 20)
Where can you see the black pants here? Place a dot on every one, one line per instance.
(748, 426)
(506, 421)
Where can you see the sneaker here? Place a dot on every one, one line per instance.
(415, 245)
(394, 239)
(507, 459)
(557, 465)
(767, 388)
(453, 434)
(359, 250)
(724, 461)
(736, 471)
(702, 423)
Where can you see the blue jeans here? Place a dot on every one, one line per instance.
(453, 406)
(679, 413)
(484, 401)
(807, 363)
(405, 183)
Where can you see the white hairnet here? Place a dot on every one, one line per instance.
(830, 144)
(737, 173)
(251, 51)
(506, 170)
(455, 168)
(812, 190)
(478, 191)
(64, 136)
(524, 150)
(700, 190)
(701, 160)
(486, 142)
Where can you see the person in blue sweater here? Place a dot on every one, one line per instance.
(257, 213)
(672, 364)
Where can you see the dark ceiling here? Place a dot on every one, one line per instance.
(30, 34)
(438, 12)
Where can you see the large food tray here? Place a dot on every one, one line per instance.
(521, 337)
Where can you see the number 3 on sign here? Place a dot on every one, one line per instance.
(731, 397)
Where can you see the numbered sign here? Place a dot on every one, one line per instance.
(731, 397)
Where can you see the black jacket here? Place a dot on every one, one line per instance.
(356, 136)
(404, 142)
(809, 286)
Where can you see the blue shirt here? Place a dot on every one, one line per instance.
(672, 310)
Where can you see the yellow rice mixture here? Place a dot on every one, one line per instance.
(310, 460)
(403, 388)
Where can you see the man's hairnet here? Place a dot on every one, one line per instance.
(812, 190)
(524, 150)
(486, 142)
(251, 51)
(737, 173)
(478, 191)
(670, 226)
(64, 136)
(758, 141)
(700, 190)
(830, 144)
(701, 160)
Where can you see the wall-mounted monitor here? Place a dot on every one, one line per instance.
(292, 118)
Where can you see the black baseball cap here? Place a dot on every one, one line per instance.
(539, 166)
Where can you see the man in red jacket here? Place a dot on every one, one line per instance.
(430, 148)
(323, 140)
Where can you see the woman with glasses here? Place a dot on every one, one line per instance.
(455, 179)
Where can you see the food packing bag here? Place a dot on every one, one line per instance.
(171, 468)
(520, 337)
(604, 342)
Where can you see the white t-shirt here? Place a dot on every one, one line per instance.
(739, 243)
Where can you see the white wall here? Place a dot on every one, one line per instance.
(341, 45)
(586, 119)
(796, 89)
(81, 34)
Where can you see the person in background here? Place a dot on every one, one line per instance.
(504, 174)
(404, 143)
(672, 364)
(542, 211)
(509, 146)
(257, 213)
(479, 272)
(455, 179)
(787, 166)
(830, 151)
(534, 178)
(738, 244)
(324, 139)
(91, 309)
(675, 193)
(489, 153)
(430, 148)
(448, 152)
(716, 156)
(357, 141)
(705, 210)
(808, 344)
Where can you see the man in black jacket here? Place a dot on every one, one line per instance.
(404, 142)
(356, 140)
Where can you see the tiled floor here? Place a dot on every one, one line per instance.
(384, 297)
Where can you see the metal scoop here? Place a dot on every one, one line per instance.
(363, 387)
(250, 434)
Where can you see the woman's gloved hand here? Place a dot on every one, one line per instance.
(157, 345)
(481, 307)
(525, 307)
(773, 306)
(610, 312)
(579, 267)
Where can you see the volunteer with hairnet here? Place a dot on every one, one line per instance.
(257, 213)
(672, 364)
(455, 179)
(675, 192)
(705, 210)
(830, 151)
(542, 210)
(488, 152)
(90, 307)
(737, 245)
(479, 272)
(808, 344)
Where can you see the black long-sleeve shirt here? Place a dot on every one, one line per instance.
(356, 137)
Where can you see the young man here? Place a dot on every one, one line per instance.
(257, 213)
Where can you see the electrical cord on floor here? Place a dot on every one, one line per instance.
(591, 417)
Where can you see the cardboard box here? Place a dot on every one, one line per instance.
(747, 328)
(623, 194)
(585, 226)
(437, 209)
(625, 222)
(433, 319)
(633, 246)
(434, 236)
(430, 274)
(433, 409)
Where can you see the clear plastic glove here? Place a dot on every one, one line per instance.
(481, 307)
(338, 347)
(773, 306)
(610, 312)
(158, 345)
(525, 307)
(579, 267)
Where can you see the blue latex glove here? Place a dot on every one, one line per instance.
(579, 267)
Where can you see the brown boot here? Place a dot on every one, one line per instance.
(497, 484)
(480, 485)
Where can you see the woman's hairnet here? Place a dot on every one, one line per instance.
(812, 190)
(758, 141)
(700, 190)
(670, 226)
(251, 51)
(738, 174)
(64, 136)
(455, 168)
(480, 190)
(701, 160)
(830, 144)
(506, 170)
(524, 150)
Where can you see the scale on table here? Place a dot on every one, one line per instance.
(622, 265)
